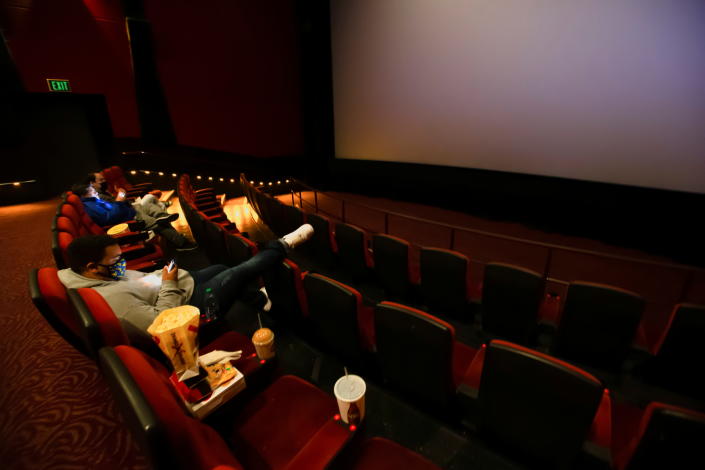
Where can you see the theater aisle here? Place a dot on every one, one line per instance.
(55, 410)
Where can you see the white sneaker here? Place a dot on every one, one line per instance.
(268, 306)
(298, 236)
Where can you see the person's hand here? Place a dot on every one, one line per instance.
(172, 275)
(121, 195)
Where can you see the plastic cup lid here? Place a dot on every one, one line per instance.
(350, 388)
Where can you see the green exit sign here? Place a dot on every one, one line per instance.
(58, 84)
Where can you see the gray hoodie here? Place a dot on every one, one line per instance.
(137, 298)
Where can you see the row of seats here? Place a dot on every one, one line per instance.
(492, 375)
(537, 405)
(221, 240)
(597, 325)
(72, 221)
(467, 369)
(519, 392)
(290, 424)
(89, 323)
(115, 179)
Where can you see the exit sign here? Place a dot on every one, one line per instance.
(58, 84)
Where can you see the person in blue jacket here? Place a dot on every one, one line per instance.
(153, 215)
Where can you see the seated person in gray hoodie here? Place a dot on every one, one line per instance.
(137, 298)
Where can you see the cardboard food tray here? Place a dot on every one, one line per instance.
(220, 395)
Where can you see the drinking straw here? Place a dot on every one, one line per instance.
(259, 319)
(346, 371)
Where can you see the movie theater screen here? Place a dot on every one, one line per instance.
(595, 90)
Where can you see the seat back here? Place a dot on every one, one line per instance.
(511, 296)
(239, 248)
(538, 406)
(60, 242)
(352, 250)
(333, 315)
(598, 324)
(69, 211)
(285, 289)
(99, 327)
(668, 437)
(292, 218)
(64, 224)
(50, 298)
(686, 328)
(88, 224)
(216, 249)
(391, 265)
(415, 352)
(111, 179)
(321, 246)
(676, 350)
(444, 281)
(118, 178)
(156, 416)
(273, 214)
(198, 228)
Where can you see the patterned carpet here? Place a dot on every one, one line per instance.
(56, 412)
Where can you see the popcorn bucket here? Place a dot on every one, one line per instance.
(175, 330)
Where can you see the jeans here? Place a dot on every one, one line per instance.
(169, 233)
(228, 284)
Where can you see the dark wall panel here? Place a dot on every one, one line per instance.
(230, 73)
(83, 41)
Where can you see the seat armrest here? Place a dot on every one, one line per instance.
(140, 250)
(599, 439)
(131, 237)
(466, 399)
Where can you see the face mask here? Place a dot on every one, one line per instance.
(117, 269)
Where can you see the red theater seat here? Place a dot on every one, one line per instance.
(100, 327)
(289, 425)
(598, 324)
(538, 407)
(321, 247)
(511, 296)
(678, 348)
(285, 289)
(239, 248)
(418, 353)
(338, 317)
(393, 267)
(139, 257)
(661, 436)
(51, 299)
(353, 254)
(445, 280)
(115, 178)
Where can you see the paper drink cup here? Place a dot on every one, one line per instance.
(263, 339)
(350, 392)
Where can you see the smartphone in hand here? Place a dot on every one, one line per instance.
(171, 265)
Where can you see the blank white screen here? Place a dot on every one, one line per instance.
(600, 90)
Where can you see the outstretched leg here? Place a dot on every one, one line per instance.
(229, 284)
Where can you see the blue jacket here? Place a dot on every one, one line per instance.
(108, 213)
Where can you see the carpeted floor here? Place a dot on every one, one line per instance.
(55, 410)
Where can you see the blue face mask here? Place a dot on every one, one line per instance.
(117, 269)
